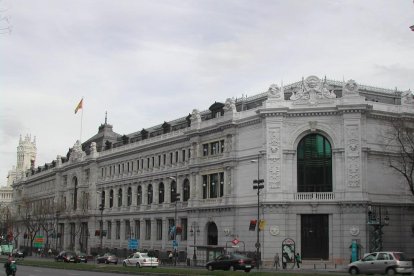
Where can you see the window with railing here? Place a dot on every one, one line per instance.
(150, 194)
(111, 198)
(139, 195)
(314, 164)
(213, 148)
(119, 197)
(213, 185)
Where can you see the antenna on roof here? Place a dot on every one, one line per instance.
(106, 116)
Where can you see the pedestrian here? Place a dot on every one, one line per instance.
(50, 252)
(276, 263)
(170, 256)
(298, 259)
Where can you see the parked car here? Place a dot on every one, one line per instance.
(107, 258)
(17, 253)
(139, 259)
(81, 257)
(66, 256)
(388, 263)
(232, 262)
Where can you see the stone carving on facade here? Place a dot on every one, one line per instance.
(230, 105)
(93, 147)
(350, 88)
(407, 98)
(312, 91)
(76, 153)
(353, 155)
(312, 125)
(274, 230)
(354, 230)
(274, 155)
(195, 116)
(274, 92)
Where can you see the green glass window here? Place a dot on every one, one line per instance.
(314, 164)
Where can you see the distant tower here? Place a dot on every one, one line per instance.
(26, 158)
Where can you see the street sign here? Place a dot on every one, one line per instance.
(235, 241)
(133, 244)
(38, 242)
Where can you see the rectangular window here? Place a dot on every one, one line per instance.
(118, 230)
(184, 228)
(214, 148)
(137, 231)
(159, 160)
(148, 229)
(164, 159)
(153, 161)
(159, 229)
(127, 229)
(213, 185)
(148, 163)
(189, 153)
(183, 155)
(205, 149)
(102, 172)
(109, 230)
(170, 229)
(171, 157)
(221, 146)
(176, 157)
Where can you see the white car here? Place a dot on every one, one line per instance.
(139, 259)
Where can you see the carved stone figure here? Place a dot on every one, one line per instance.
(229, 105)
(195, 116)
(274, 91)
(312, 89)
(76, 152)
(407, 97)
(351, 87)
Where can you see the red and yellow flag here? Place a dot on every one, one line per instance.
(79, 106)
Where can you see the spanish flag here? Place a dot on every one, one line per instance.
(79, 106)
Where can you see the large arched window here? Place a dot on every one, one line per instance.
(161, 193)
(186, 190)
(111, 198)
(75, 192)
(314, 164)
(150, 195)
(129, 196)
(173, 191)
(119, 197)
(139, 195)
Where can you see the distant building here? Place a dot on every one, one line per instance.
(319, 145)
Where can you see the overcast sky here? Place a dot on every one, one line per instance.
(146, 62)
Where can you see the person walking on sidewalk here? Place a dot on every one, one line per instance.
(298, 259)
(276, 263)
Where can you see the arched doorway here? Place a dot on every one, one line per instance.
(212, 234)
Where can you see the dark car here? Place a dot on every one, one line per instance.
(231, 262)
(81, 257)
(17, 253)
(107, 258)
(66, 256)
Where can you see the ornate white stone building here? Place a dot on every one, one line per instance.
(319, 145)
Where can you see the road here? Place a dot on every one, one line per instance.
(40, 271)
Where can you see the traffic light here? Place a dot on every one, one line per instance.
(252, 226)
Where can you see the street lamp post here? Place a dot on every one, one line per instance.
(195, 231)
(57, 228)
(258, 185)
(375, 219)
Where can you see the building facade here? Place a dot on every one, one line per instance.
(321, 147)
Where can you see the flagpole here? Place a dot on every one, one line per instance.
(80, 136)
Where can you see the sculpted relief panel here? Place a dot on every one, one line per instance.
(353, 155)
(273, 160)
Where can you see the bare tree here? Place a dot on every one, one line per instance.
(401, 141)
